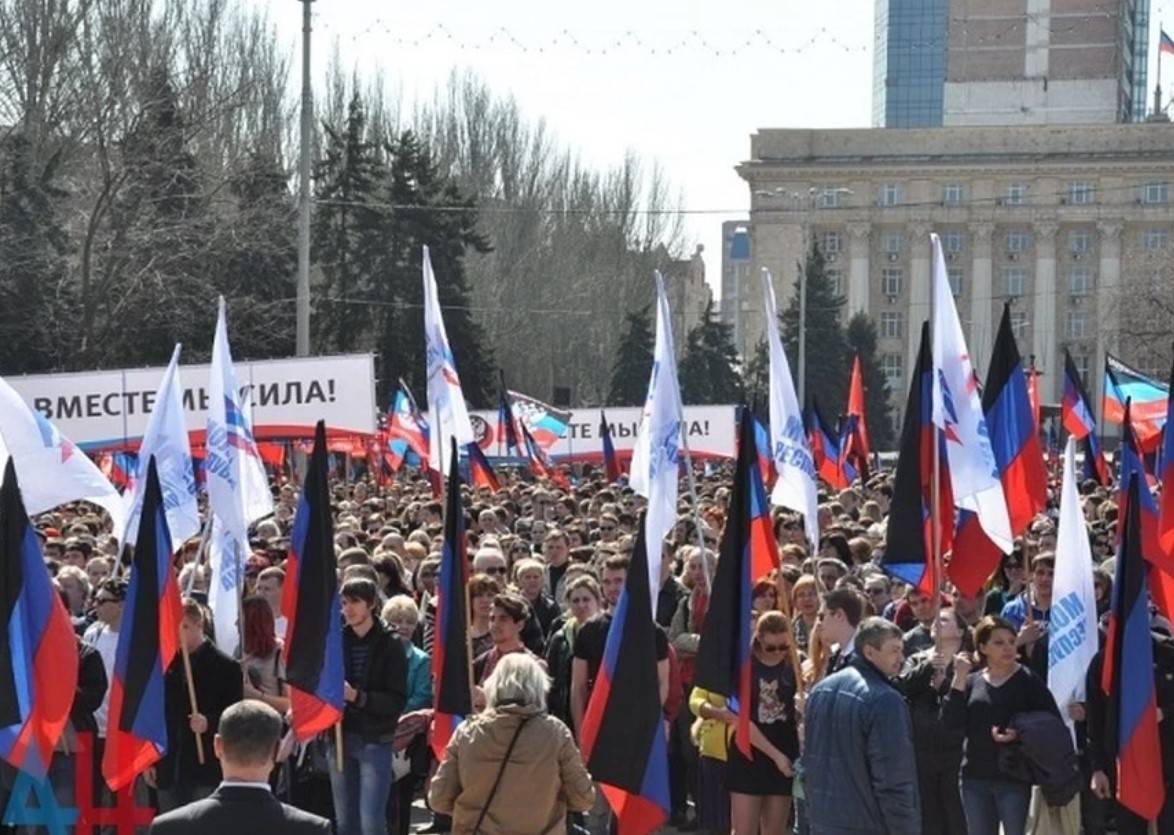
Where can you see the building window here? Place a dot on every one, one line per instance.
(1017, 242)
(831, 243)
(891, 281)
(1016, 194)
(1154, 193)
(891, 325)
(952, 241)
(892, 242)
(1078, 241)
(1080, 281)
(1083, 363)
(1079, 193)
(829, 198)
(953, 194)
(1018, 324)
(1014, 281)
(955, 276)
(836, 280)
(1155, 238)
(1077, 324)
(890, 195)
(894, 371)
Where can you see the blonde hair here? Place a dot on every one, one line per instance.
(400, 607)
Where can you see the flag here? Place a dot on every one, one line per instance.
(1127, 675)
(166, 440)
(622, 736)
(825, 448)
(1076, 407)
(909, 552)
(1095, 466)
(238, 488)
(794, 486)
(958, 414)
(452, 670)
(448, 414)
(406, 424)
(762, 443)
(38, 654)
(748, 552)
(136, 730)
(51, 469)
(1132, 463)
(1072, 629)
(1033, 393)
(1147, 395)
(546, 423)
(1166, 514)
(1165, 43)
(507, 425)
(611, 464)
(859, 447)
(540, 465)
(656, 455)
(313, 632)
(480, 473)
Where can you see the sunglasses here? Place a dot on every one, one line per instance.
(607, 528)
(877, 591)
(772, 648)
(496, 570)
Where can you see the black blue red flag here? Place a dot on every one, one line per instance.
(451, 665)
(748, 552)
(481, 473)
(38, 655)
(313, 635)
(611, 464)
(622, 737)
(136, 731)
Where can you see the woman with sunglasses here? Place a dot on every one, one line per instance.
(760, 786)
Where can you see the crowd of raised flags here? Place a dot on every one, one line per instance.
(971, 475)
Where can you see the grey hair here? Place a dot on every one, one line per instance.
(873, 632)
(517, 679)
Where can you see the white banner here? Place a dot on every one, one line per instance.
(97, 409)
(711, 429)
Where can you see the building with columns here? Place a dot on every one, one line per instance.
(1057, 221)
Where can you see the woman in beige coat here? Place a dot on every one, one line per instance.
(530, 756)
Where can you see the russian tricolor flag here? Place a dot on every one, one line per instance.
(1127, 675)
(38, 655)
(748, 552)
(909, 552)
(136, 732)
(481, 474)
(313, 633)
(622, 737)
(451, 665)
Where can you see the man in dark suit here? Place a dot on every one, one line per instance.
(243, 804)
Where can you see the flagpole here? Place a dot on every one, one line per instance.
(935, 511)
(187, 671)
(692, 493)
(783, 602)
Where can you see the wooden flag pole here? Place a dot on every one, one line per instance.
(187, 671)
(338, 745)
(783, 601)
(935, 490)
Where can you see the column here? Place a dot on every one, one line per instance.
(981, 336)
(1109, 296)
(776, 245)
(919, 290)
(858, 285)
(1044, 334)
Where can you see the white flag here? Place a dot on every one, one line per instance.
(1072, 628)
(656, 455)
(238, 489)
(51, 470)
(226, 557)
(795, 487)
(957, 412)
(166, 439)
(448, 416)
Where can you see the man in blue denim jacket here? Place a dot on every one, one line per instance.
(859, 765)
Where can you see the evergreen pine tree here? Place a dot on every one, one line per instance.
(756, 379)
(633, 365)
(828, 358)
(709, 369)
(861, 336)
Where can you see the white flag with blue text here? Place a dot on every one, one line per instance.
(51, 470)
(957, 412)
(166, 439)
(656, 455)
(1072, 627)
(448, 416)
(795, 488)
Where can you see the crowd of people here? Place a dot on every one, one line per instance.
(875, 707)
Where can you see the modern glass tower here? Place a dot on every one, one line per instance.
(909, 63)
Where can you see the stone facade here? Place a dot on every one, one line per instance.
(1057, 221)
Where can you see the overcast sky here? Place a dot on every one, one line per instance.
(807, 65)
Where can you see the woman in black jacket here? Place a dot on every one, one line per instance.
(375, 691)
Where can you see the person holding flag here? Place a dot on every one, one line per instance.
(795, 486)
